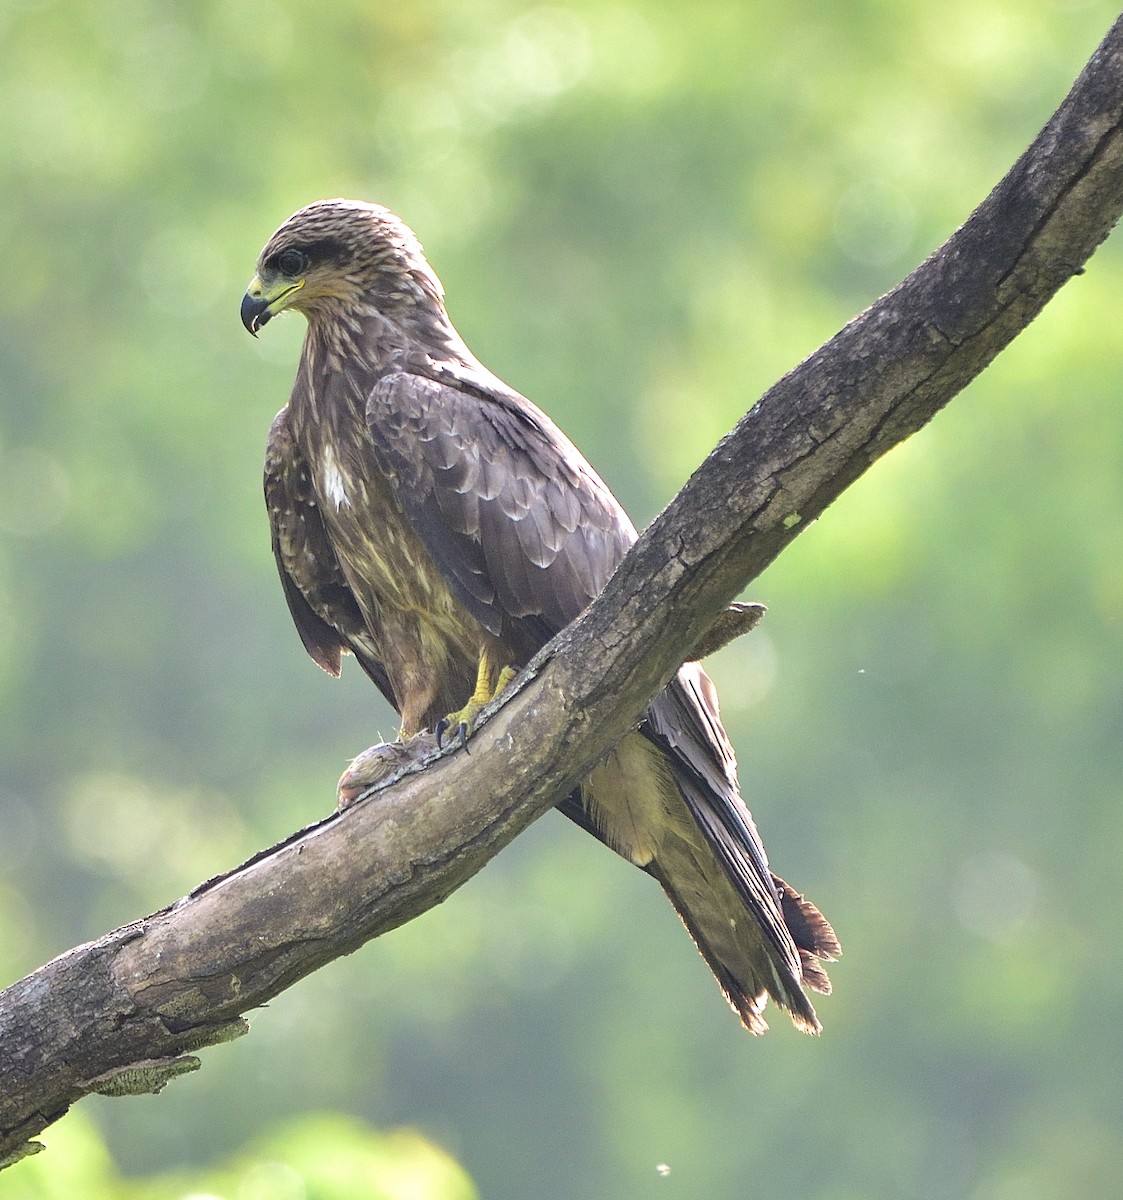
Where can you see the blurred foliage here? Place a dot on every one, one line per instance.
(310, 1158)
(643, 213)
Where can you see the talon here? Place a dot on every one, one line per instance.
(456, 727)
(485, 691)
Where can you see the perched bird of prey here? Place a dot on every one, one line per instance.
(438, 526)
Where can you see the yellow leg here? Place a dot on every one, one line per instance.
(484, 692)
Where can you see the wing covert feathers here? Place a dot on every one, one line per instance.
(523, 530)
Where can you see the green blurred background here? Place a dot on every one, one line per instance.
(643, 214)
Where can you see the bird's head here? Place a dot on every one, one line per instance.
(338, 256)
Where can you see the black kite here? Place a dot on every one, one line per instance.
(441, 528)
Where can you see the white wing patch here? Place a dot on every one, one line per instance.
(333, 481)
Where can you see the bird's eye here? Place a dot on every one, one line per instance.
(291, 263)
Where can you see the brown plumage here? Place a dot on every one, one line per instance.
(426, 517)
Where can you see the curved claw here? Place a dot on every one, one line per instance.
(464, 721)
(462, 724)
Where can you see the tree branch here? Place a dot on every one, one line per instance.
(123, 1014)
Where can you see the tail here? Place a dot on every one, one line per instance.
(771, 944)
(759, 936)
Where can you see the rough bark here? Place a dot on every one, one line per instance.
(124, 1013)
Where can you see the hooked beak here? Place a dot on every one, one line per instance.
(260, 305)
